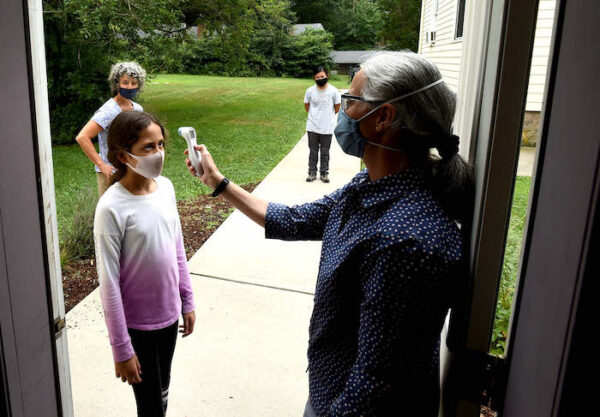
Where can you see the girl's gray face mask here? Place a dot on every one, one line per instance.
(347, 130)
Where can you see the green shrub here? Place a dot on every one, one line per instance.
(301, 53)
(77, 238)
(264, 54)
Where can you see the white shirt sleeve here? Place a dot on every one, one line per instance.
(307, 96)
(105, 115)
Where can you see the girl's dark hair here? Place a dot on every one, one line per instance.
(319, 69)
(123, 133)
(424, 122)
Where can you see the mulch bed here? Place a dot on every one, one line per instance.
(200, 217)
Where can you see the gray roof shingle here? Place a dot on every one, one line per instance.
(351, 57)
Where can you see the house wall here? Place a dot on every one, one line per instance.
(541, 53)
(446, 52)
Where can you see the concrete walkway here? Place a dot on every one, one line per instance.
(526, 161)
(247, 356)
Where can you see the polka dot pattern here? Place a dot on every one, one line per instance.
(386, 272)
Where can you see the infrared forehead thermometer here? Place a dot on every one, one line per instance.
(189, 134)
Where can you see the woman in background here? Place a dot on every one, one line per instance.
(126, 79)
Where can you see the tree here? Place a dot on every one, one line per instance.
(83, 39)
(303, 52)
(361, 28)
(355, 24)
(240, 37)
(365, 24)
(401, 23)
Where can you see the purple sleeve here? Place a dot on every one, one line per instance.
(185, 282)
(108, 250)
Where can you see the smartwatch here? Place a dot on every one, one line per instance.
(220, 187)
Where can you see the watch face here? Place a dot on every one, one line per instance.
(220, 187)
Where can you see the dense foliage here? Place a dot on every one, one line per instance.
(234, 38)
(364, 24)
(83, 39)
(290, 55)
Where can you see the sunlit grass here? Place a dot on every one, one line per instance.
(248, 125)
(511, 264)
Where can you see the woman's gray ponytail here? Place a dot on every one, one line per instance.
(424, 121)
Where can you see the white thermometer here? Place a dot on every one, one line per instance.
(189, 134)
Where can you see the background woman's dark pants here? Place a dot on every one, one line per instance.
(316, 141)
(154, 350)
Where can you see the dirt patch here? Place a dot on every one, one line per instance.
(200, 217)
(79, 279)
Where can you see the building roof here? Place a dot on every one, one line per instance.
(298, 29)
(351, 57)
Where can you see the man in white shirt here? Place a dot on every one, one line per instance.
(322, 102)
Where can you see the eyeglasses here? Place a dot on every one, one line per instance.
(346, 98)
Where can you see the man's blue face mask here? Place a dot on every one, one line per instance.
(347, 130)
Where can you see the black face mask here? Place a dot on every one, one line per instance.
(322, 81)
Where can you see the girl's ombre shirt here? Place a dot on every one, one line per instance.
(142, 268)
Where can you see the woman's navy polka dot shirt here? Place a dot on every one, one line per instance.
(387, 269)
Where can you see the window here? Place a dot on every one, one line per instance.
(430, 34)
(460, 19)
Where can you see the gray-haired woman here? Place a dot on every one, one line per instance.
(125, 79)
(392, 251)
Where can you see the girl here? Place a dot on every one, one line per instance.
(144, 281)
(125, 80)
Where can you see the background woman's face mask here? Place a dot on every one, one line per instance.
(148, 166)
(128, 93)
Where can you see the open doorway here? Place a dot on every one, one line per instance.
(34, 364)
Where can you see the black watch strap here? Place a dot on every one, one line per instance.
(220, 187)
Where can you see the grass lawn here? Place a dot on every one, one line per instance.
(248, 125)
(511, 264)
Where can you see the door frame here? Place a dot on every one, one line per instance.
(33, 353)
(562, 233)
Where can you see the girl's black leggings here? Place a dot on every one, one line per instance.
(154, 349)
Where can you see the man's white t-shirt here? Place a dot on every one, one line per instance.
(321, 114)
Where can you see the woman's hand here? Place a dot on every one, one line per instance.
(253, 207)
(106, 169)
(129, 370)
(189, 319)
(211, 176)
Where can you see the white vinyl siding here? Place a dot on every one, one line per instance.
(541, 53)
(446, 51)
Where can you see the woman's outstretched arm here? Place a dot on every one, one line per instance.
(253, 207)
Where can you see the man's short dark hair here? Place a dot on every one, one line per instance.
(319, 69)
